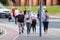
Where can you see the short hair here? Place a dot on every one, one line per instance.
(20, 11)
(46, 11)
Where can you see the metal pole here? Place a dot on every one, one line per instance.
(40, 17)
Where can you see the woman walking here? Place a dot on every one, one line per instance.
(45, 21)
(28, 21)
(34, 20)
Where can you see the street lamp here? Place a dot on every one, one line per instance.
(40, 18)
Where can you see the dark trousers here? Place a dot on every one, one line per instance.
(45, 24)
(15, 19)
(28, 27)
(9, 18)
(14, 15)
(33, 25)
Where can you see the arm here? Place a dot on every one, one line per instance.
(24, 20)
(31, 20)
(16, 20)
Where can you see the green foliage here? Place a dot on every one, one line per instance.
(3, 1)
(51, 9)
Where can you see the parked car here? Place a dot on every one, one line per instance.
(4, 12)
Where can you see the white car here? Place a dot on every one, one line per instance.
(3, 11)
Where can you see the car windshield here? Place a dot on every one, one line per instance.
(2, 7)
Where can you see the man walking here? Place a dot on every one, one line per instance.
(13, 13)
(16, 13)
(20, 20)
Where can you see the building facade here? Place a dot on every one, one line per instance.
(34, 2)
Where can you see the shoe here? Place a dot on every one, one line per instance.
(46, 31)
(19, 32)
(22, 31)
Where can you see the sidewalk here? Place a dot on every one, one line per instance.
(10, 33)
(53, 34)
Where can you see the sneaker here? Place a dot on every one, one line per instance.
(46, 31)
(19, 32)
(22, 31)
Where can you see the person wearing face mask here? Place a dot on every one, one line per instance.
(45, 19)
(20, 21)
(34, 20)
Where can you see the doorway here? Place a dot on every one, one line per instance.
(51, 2)
(58, 2)
(44, 1)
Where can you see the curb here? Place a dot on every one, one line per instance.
(55, 16)
(4, 33)
(6, 36)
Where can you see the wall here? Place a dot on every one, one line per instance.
(35, 2)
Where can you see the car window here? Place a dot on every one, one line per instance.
(2, 7)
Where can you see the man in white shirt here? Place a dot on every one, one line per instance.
(16, 13)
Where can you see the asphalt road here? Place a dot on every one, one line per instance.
(53, 22)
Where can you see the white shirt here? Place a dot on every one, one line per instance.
(34, 16)
(16, 12)
(26, 16)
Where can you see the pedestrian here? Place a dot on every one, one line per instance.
(34, 20)
(28, 21)
(45, 21)
(25, 11)
(16, 13)
(13, 14)
(44, 9)
(9, 17)
(20, 21)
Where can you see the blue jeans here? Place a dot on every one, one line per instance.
(28, 27)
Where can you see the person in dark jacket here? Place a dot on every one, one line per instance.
(20, 21)
(9, 17)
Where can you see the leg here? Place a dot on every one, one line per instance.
(44, 26)
(22, 27)
(19, 30)
(28, 28)
(35, 25)
(9, 19)
(47, 26)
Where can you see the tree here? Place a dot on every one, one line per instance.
(3, 1)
